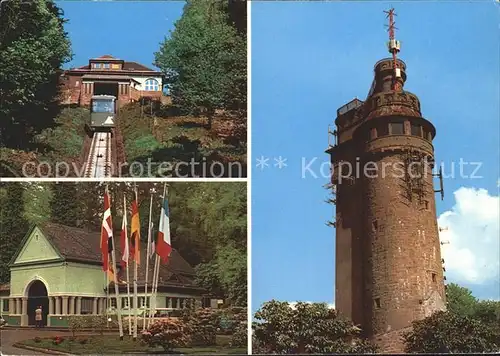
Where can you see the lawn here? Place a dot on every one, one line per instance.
(110, 344)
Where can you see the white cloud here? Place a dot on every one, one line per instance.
(293, 304)
(472, 230)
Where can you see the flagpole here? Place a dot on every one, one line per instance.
(128, 262)
(157, 259)
(136, 249)
(152, 307)
(148, 249)
(107, 298)
(115, 277)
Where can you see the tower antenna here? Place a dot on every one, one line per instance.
(394, 47)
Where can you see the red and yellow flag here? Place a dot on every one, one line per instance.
(135, 234)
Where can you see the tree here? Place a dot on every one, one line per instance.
(460, 300)
(307, 328)
(204, 60)
(449, 332)
(37, 198)
(33, 47)
(64, 205)
(13, 225)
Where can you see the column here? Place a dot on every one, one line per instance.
(58, 305)
(65, 305)
(18, 306)
(12, 306)
(51, 305)
(78, 305)
(71, 305)
(24, 316)
(94, 306)
(169, 303)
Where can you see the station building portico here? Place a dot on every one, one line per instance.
(59, 268)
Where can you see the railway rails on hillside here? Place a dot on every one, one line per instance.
(98, 162)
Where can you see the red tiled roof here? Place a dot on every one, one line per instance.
(4, 287)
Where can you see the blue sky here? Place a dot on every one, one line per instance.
(127, 30)
(308, 59)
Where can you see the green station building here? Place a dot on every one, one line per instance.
(59, 268)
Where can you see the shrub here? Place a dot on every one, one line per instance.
(57, 340)
(168, 333)
(75, 324)
(83, 341)
(37, 339)
(203, 324)
(240, 336)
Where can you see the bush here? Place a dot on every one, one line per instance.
(448, 332)
(83, 341)
(57, 340)
(75, 324)
(240, 336)
(37, 339)
(167, 333)
(203, 324)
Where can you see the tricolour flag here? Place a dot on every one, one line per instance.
(124, 241)
(163, 245)
(135, 234)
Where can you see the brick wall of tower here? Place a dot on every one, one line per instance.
(388, 260)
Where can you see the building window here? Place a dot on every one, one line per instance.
(113, 302)
(152, 85)
(174, 303)
(426, 204)
(433, 275)
(374, 225)
(416, 130)
(397, 128)
(382, 129)
(115, 66)
(181, 303)
(5, 305)
(377, 302)
(105, 65)
(97, 65)
(87, 305)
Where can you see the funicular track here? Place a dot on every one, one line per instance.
(98, 162)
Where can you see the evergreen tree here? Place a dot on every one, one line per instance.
(33, 47)
(13, 225)
(64, 205)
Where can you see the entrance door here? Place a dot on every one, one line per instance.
(37, 296)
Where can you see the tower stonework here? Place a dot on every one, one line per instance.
(388, 261)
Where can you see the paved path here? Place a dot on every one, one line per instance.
(10, 337)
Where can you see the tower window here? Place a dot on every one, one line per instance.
(105, 65)
(152, 85)
(433, 275)
(426, 204)
(416, 130)
(374, 225)
(397, 128)
(382, 129)
(377, 302)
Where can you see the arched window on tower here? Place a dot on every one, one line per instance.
(152, 85)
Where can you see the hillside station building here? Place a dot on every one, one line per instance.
(60, 268)
(107, 75)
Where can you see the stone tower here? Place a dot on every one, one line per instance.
(388, 263)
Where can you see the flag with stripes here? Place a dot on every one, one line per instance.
(107, 235)
(163, 245)
(152, 246)
(135, 234)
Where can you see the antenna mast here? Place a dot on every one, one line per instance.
(394, 47)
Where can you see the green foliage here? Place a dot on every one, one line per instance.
(460, 300)
(307, 328)
(64, 206)
(13, 225)
(448, 332)
(204, 60)
(203, 323)
(66, 138)
(37, 199)
(33, 47)
(75, 324)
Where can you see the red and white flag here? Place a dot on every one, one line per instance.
(163, 245)
(106, 236)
